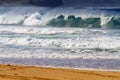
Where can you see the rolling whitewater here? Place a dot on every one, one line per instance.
(60, 37)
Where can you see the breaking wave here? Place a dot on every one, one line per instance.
(60, 17)
(51, 37)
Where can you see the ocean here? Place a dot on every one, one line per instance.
(60, 37)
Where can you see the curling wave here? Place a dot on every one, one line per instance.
(61, 17)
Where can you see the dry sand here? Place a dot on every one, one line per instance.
(8, 72)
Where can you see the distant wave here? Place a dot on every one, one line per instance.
(61, 17)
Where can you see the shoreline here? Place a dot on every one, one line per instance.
(23, 72)
(69, 68)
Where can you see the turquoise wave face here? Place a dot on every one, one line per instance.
(61, 17)
(72, 21)
(75, 22)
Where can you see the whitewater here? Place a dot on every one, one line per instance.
(34, 36)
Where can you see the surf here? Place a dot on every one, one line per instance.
(71, 17)
(60, 36)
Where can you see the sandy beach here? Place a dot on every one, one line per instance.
(11, 72)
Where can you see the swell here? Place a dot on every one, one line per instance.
(61, 17)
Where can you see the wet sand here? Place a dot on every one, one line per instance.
(11, 72)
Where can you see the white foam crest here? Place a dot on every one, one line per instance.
(41, 16)
(83, 13)
(21, 15)
(33, 19)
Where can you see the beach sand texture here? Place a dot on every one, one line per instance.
(9, 72)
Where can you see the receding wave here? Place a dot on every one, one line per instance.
(60, 17)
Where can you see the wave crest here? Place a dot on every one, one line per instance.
(60, 17)
(71, 21)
